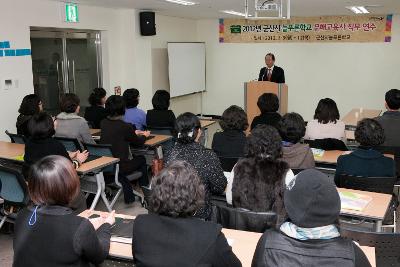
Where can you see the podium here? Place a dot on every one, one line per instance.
(254, 89)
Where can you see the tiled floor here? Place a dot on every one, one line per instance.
(6, 250)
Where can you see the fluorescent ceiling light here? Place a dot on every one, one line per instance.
(358, 9)
(232, 12)
(182, 2)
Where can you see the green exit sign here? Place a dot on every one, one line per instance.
(71, 12)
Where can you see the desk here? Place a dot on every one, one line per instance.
(10, 151)
(206, 123)
(158, 138)
(355, 115)
(331, 156)
(243, 244)
(374, 211)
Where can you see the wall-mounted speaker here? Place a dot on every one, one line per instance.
(147, 23)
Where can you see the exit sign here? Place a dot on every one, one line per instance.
(71, 12)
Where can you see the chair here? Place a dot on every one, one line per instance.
(14, 193)
(242, 219)
(147, 193)
(387, 245)
(70, 144)
(371, 184)
(105, 150)
(16, 138)
(327, 144)
(227, 163)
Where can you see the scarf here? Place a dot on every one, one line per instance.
(300, 233)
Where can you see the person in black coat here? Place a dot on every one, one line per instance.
(310, 236)
(41, 144)
(48, 233)
(30, 105)
(120, 135)
(169, 235)
(268, 104)
(271, 72)
(96, 112)
(365, 161)
(160, 116)
(231, 142)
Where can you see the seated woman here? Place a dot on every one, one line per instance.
(31, 105)
(269, 105)
(292, 128)
(120, 135)
(160, 115)
(365, 161)
(48, 233)
(69, 123)
(133, 114)
(204, 161)
(96, 112)
(173, 236)
(326, 123)
(258, 179)
(230, 142)
(310, 236)
(42, 144)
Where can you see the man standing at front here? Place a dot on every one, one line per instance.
(271, 73)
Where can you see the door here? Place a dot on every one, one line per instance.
(65, 61)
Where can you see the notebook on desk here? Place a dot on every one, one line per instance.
(150, 137)
(92, 157)
(122, 228)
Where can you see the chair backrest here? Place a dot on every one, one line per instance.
(13, 190)
(387, 245)
(70, 144)
(160, 130)
(394, 150)
(372, 184)
(327, 144)
(101, 150)
(16, 138)
(227, 163)
(242, 219)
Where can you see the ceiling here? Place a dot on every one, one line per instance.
(211, 8)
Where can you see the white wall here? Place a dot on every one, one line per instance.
(353, 74)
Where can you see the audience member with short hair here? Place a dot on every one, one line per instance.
(169, 235)
(268, 104)
(133, 114)
(292, 129)
(259, 178)
(390, 120)
(69, 123)
(205, 161)
(231, 142)
(42, 144)
(365, 161)
(120, 135)
(48, 233)
(326, 123)
(310, 236)
(96, 112)
(160, 116)
(30, 105)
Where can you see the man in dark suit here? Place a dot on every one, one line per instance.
(271, 72)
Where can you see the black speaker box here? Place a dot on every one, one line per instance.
(147, 23)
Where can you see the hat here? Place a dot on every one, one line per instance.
(311, 200)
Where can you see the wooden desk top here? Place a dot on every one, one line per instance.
(158, 138)
(376, 209)
(207, 123)
(11, 150)
(357, 114)
(331, 156)
(243, 243)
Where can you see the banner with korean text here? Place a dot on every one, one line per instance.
(327, 29)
